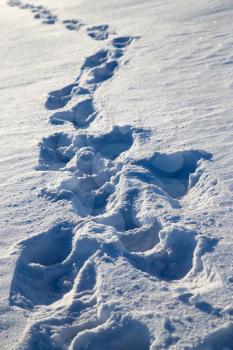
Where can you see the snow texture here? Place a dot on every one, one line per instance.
(133, 252)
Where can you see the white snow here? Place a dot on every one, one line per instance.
(116, 175)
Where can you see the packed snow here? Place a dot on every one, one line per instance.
(116, 175)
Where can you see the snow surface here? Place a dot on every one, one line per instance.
(116, 174)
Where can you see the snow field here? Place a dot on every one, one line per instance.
(132, 223)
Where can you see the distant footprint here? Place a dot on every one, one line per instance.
(59, 98)
(72, 24)
(122, 41)
(99, 32)
(96, 69)
(102, 73)
(80, 115)
(40, 12)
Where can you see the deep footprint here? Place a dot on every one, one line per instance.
(39, 255)
(172, 171)
(91, 163)
(126, 334)
(50, 262)
(57, 150)
(174, 260)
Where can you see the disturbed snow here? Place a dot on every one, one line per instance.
(117, 231)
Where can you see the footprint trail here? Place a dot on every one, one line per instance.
(114, 229)
(130, 207)
(39, 12)
(97, 69)
(98, 32)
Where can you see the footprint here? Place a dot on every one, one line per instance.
(118, 140)
(92, 167)
(123, 41)
(150, 180)
(80, 115)
(50, 262)
(14, 3)
(123, 334)
(99, 32)
(35, 276)
(97, 59)
(174, 171)
(178, 253)
(95, 70)
(219, 339)
(59, 98)
(83, 113)
(141, 239)
(56, 151)
(59, 149)
(72, 24)
(173, 260)
(49, 248)
(40, 12)
(102, 73)
(46, 17)
(58, 330)
(77, 311)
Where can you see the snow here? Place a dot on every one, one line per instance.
(116, 175)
